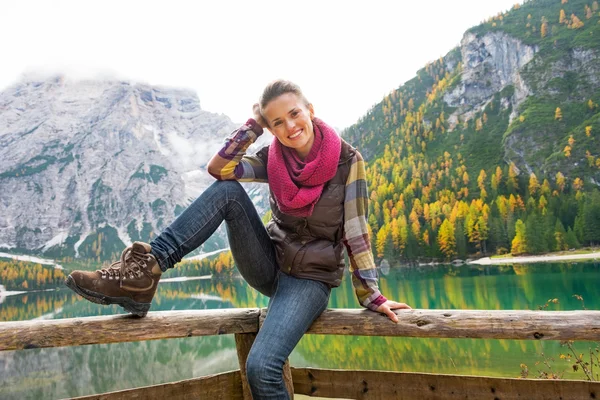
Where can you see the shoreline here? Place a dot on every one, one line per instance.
(534, 259)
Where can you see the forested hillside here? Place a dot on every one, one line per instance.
(492, 148)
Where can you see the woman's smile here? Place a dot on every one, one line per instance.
(290, 120)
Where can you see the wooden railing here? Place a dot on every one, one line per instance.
(245, 323)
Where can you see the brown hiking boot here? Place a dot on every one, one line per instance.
(130, 282)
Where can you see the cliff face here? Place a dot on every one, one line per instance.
(88, 166)
(490, 63)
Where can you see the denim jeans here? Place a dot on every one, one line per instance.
(294, 303)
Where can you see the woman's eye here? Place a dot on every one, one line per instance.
(277, 123)
(294, 113)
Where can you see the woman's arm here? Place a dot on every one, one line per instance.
(358, 245)
(232, 163)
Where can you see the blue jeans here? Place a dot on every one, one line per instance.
(294, 303)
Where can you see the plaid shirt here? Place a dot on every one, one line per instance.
(232, 163)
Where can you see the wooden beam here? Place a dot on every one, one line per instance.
(288, 379)
(243, 343)
(364, 385)
(485, 324)
(126, 328)
(225, 386)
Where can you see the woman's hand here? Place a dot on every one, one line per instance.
(387, 307)
(258, 116)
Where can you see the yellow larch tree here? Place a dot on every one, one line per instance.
(576, 23)
(478, 124)
(446, 239)
(588, 12)
(562, 18)
(558, 114)
(519, 245)
(590, 158)
(543, 30)
(560, 181)
(578, 184)
(534, 185)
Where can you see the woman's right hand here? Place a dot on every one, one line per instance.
(258, 116)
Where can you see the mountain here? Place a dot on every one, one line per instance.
(89, 166)
(508, 117)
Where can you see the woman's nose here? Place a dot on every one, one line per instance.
(290, 124)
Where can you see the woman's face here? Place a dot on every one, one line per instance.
(290, 120)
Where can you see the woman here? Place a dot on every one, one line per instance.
(318, 201)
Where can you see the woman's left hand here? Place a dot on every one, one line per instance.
(387, 307)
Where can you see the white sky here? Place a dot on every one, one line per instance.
(346, 55)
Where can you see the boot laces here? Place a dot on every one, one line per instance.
(130, 265)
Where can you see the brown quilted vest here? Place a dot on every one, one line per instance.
(312, 247)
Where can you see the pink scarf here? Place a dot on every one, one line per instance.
(297, 185)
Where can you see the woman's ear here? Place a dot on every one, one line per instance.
(311, 110)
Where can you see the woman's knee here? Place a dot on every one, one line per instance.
(262, 370)
(227, 186)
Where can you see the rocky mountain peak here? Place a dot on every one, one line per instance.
(89, 164)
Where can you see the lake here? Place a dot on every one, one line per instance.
(77, 371)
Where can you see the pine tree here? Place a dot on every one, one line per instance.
(460, 240)
(571, 239)
(560, 236)
(591, 218)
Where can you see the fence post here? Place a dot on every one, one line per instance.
(243, 343)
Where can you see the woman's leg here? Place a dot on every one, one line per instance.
(293, 307)
(132, 282)
(250, 244)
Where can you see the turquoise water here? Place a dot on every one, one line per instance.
(77, 371)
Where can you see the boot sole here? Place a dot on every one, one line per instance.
(139, 309)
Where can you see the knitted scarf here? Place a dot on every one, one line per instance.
(296, 184)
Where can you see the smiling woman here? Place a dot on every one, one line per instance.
(318, 202)
(289, 118)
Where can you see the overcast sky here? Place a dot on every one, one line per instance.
(346, 55)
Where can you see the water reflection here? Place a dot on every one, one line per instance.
(76, 371)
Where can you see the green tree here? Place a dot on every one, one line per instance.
(560, 236)
(571, 239)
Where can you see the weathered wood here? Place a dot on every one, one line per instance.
(225, 386)
(287, 378)
(126, 328)
(486, 324)
(364, 385)
(243, 343)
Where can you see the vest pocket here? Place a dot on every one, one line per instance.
(318, 256)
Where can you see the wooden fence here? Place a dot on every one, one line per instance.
(245, 323)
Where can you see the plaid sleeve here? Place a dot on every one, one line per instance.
(232, 163)
(356, 237)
